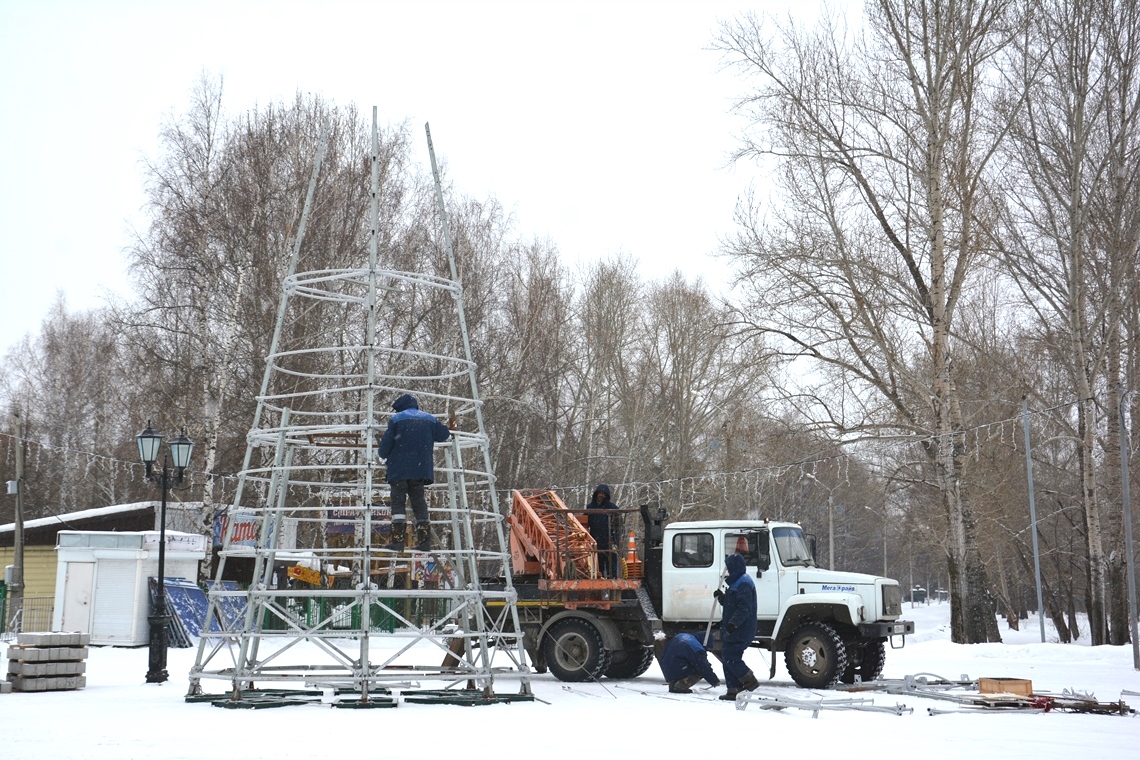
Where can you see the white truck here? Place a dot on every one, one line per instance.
(831, 626)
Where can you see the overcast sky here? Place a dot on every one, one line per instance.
(603, 125)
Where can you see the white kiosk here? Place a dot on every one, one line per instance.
(101, 580)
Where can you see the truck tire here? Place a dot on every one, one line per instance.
(866, 661)
(574, 651)
(630, 662)
(815, 656)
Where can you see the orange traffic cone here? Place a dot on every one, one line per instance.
(633, 567)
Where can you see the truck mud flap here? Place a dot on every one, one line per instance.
(650, 623)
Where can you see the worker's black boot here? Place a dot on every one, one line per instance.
(730, 695)
(423, 537)
(749, 682)
(399, 534)
(684, 685)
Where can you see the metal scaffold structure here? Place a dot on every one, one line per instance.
(323, 604)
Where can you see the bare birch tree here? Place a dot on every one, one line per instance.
(881, 145)
(74, 394)
(225, 196)
(1069, 236)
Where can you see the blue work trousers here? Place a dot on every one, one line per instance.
(732, 658)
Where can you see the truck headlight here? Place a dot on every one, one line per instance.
(892, 600)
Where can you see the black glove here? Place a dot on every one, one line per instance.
(731, 628)
(718, 594)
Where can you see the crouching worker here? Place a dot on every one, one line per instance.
(684, 662)
(737, 626)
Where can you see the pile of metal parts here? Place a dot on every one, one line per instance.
(964, 693)
(775, 700)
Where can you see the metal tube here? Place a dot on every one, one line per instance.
(1033, 518)
(830, 531)
(477, 405)
(885, 548)
(371, 430)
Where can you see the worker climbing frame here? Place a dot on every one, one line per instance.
(305, 590)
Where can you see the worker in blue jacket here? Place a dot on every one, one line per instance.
(684, 662)
(408, 446)
(737, 625)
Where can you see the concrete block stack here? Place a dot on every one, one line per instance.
(48, 661)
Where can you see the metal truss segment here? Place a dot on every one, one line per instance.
(308, 590)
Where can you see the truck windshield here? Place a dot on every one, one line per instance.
(792, 547)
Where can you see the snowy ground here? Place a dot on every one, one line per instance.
(118, 716)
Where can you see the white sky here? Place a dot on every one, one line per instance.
(603, 125)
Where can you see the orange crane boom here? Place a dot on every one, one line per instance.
(548, 540)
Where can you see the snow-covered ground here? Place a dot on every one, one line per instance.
(118, 716)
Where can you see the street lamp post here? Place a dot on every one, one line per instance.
(830, 522)
(883, 517)
(149, 441)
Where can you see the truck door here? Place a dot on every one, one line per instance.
(755, 547)
(690, 573)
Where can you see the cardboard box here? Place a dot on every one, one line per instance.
(1019, 686)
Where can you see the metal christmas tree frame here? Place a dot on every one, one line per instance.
(352, 617)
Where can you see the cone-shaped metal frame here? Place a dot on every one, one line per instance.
(354, 616)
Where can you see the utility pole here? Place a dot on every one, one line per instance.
(1033, 517)
(16, 588)
(884, 549)
(830, 521)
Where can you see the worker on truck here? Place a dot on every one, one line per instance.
(684, 662)
(737, 626)
(602, 528)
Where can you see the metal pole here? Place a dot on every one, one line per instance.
(16, 589)
(885, 548)
(830, 531)
(1126, 504)
(883, 529)
(478, 404)
(1033, 518)
(910, 550)
(158, 621)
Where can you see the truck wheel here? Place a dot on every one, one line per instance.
(866, 661)
(574, 651)
(815, 656)
(630, 662)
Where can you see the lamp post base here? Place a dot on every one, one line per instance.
(157, 671)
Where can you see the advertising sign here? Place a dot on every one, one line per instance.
(245, 529)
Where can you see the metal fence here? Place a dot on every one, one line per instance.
(33, 613)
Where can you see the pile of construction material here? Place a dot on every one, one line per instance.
(968, 694)
(997, 694)
(47, 662)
